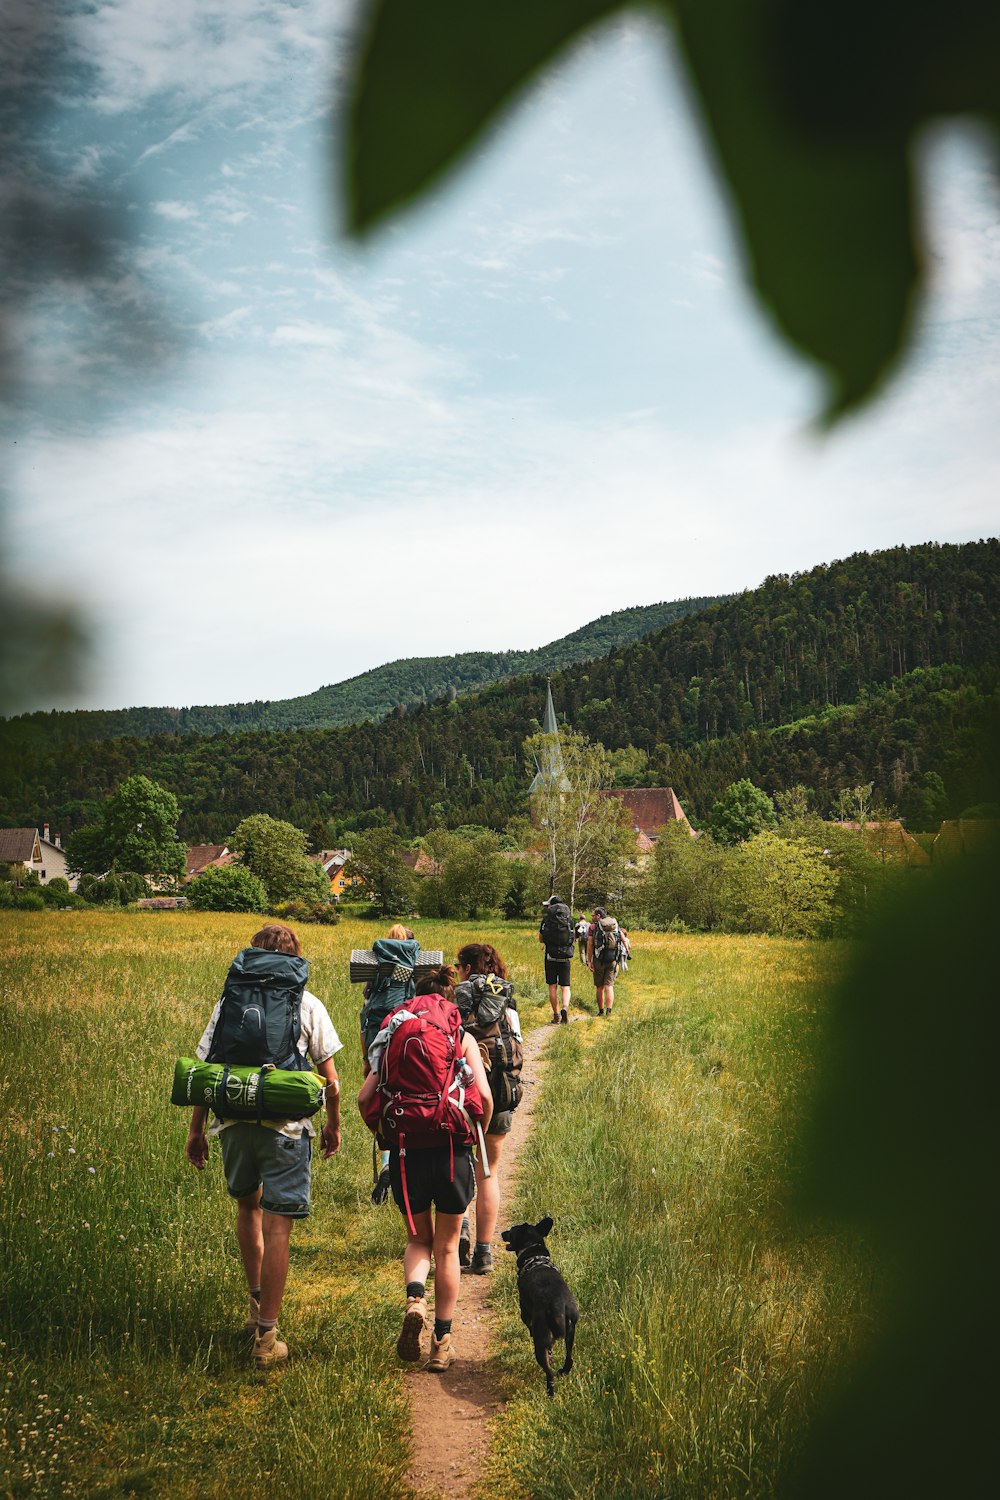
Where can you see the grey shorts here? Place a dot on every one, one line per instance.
(254, 1157)
(501, 1122)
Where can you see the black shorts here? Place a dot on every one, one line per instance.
(429, 1179)
(557, 970)
(501, 1122)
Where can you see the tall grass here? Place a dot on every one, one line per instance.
(664, 1150)
(122, 1286)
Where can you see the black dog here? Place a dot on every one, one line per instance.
(547, 1305)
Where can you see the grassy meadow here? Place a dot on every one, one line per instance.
(662, 1148)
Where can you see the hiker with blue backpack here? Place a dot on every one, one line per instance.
(267, 1018)
(394, 983)
(427, 1098)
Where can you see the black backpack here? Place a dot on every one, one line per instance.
(482, 1002)
(393, 984)
(261, 1015)
(559, 931)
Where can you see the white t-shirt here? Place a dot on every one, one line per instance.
(318, 1040)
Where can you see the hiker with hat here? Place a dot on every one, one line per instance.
(266, 1009)
(558, 933)
(604, 951)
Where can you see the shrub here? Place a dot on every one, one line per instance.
(323, 912)
(228, 888)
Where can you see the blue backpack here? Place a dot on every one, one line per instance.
(261, 1015)
(393, 984)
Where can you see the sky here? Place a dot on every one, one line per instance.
(261, 458)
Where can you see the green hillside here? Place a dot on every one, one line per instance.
(882, 667)
(371, 695)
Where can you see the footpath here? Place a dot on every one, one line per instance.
(450, 1413)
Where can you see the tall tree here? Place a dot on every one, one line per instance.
(275, 852)
(137, 832)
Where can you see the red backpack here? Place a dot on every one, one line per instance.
(426, 1094)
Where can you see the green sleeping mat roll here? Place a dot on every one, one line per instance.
(287, 1095)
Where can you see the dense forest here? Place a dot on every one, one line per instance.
(371, 695)
(882, 667)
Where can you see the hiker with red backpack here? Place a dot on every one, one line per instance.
(266, 1017)
(427, 1098)
(485, 998)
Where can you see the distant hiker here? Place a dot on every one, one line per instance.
(267, 1165)
(485, 999)
(396, 955)
(558, 934)
(604, 951)
(425, 1094)
(582, 932)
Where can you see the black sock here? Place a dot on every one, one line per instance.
(441, 1327)
(255, 1293)
(414, 1288)
(266, 1326)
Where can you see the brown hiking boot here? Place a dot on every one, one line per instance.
(442, 1354)
(414, 1322)
(253, 1315)
(268, 1349)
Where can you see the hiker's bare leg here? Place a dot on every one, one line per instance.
(554, 998)
(566, 997)
(417, 1255)
(447, 1271)
(488, 1192)
(250, 1236)
(274, 1266)
(609, 996)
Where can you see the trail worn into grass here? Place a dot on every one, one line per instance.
(450, 1413)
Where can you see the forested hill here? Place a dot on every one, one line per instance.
(371, 695)
(885, 665)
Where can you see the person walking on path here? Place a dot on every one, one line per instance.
(267, 1166)
(582, 933)
(558, 934)
(603, 944)
(432, 1189)
(397, 955)
(473, 959)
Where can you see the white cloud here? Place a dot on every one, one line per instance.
(172, 209)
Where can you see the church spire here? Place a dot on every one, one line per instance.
(551, 772)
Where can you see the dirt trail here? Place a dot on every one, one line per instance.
(460, 1402)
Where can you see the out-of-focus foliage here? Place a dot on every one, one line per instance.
(812, 110)
(905, 1145)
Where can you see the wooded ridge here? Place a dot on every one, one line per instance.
(883, 666)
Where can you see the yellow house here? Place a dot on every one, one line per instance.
(333, 862)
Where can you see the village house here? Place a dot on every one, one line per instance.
(27, 851)
(333, 862)
(202, 857)
(958, 837)
(420, 862)
(650, 809)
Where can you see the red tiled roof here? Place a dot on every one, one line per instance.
(650, 808)
(17, 845)
(201, 857)
(420, 862)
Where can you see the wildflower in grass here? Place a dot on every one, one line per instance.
(92, 1170)
(72, 1150)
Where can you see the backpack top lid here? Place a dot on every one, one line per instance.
(263, 966)
(483, 998)
(396, 952)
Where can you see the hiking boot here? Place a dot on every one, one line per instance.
(442, 1354)
(555, 1020)
(253, 1315)
(563, 1017)
(482, 1261)
(408, 1343)
(600, 1010)
(380, 1191)
(464, 1243)
(268, 1349)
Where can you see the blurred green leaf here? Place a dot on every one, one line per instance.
(431, 75)
(827, 226)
